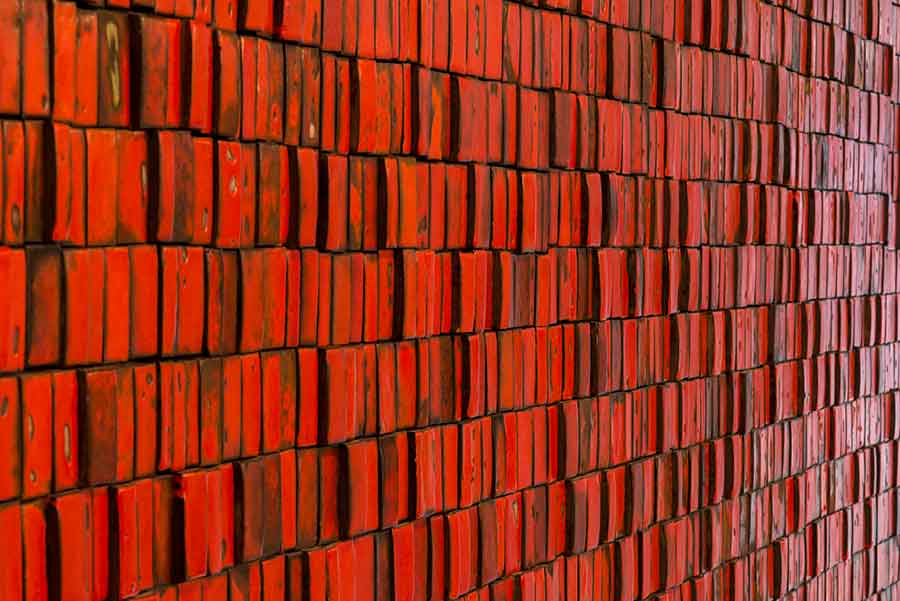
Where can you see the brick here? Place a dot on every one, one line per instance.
(114, 104)
(182, 289)
(300, 21)
(12, 28)
(13, 310)
(279, 399)
(274, 209)
(175, 84)
(153, 72)
(251, 428)
(14, 183)
(227, 97)
(132, 185)
(335, 103)
(193, 496)
(222, 272)
(329, 474)
(231, 407)
(178, 415)
(36, 187)
(134, 504)
(84, 284)
(175, 188)
(36, 435)
(201, 98)
(143, 266)
(363, 498)
(72, 513)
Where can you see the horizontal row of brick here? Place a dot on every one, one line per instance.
(127, 539)
(865, 575)
(66, 428)
(298, 20)
(310, 96)
(102, 186)
(485, 38)
(316, 101)
(88, 306)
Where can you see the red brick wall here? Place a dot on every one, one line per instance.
(429, 299)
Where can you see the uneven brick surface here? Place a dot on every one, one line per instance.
(436, 299)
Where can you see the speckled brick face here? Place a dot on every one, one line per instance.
(415, 300)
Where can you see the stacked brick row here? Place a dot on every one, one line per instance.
(493, 300)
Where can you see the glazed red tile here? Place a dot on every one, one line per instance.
(34, 60)
(84, 281)
(222, 268)
(300, 21)
(257, 15)
(36, 181)
(116, 305)
(201, 214)
(363, 499)
(143, 281)
(134, 503)
(132, 185)
(227, 98)
(279, 392)
(182, 287)
(36, 434)
(178, 415)
(14, 183)
(73, 515)
(13, 265)
(335, 104)
(114, 104)
(307, 504)
(69, 151)
(329, 475)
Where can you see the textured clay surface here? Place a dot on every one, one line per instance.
(414, 300)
